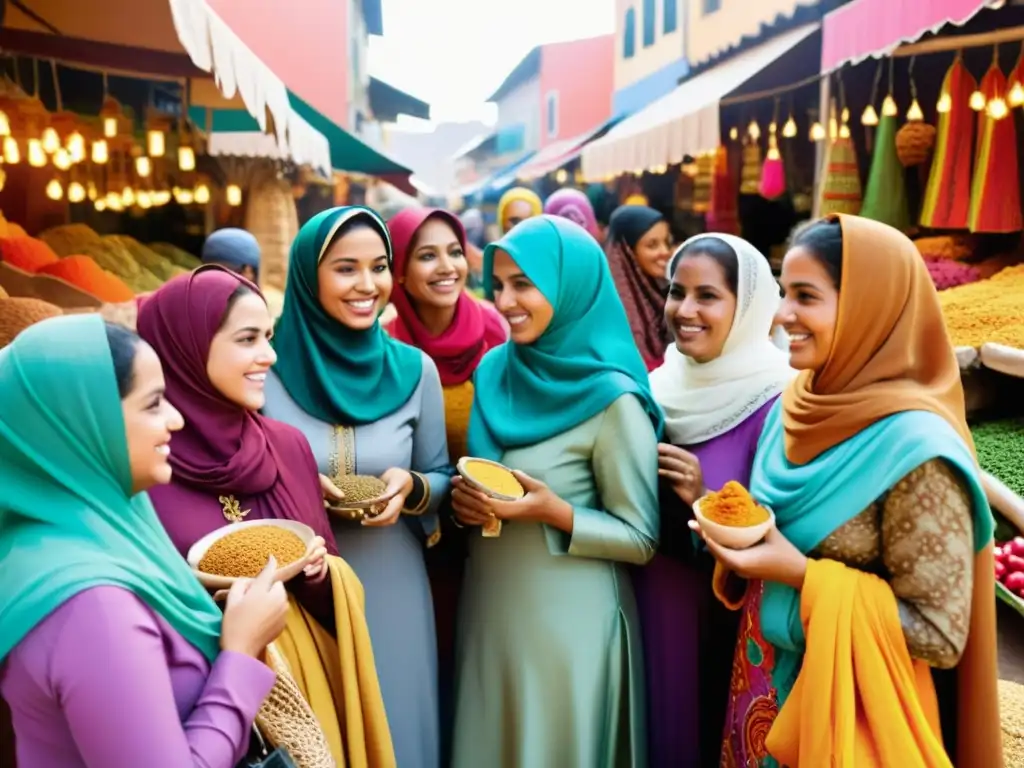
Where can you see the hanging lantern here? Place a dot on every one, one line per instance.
(754, 130)
(100, 153)
(869, 117)
(54, 190)
(51, 141)
(12, 155)
(76, 147)
(143, 166)
(234, 194)
(1015, 97)
(945, 104)
(36, 155)
(91, 192)
(889, 108)
(846, 115)
(186, 158)
(156, 143)
(202, 194)
(818, 132)
(978, 101)
(128, 197)
(734, 133)
(844, 131)
(61, 159)
(789, 130)
(833, 127)
(161, 197)
(5, 124)
(997, 108)
(76, 192)
(112, 115)
(145, 200)
(100, 205)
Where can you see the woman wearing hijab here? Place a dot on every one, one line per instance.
(370, 405)
(113, 654)
(550, 661)
(236, 249)
(575, 206)
(517, 205)
(879, 569)
(716, 386)
(638, 250)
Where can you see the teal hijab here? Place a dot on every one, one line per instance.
(334, 373)
(585, 359)
(68, 521)
(812, 500)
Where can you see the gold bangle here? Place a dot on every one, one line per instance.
(424, 501)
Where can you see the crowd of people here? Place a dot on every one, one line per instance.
(622, 380)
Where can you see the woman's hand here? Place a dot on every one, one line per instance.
(399, 486)
(330, 491)
(539, 505)
(255, 613)
(774, 559)
(315, 560)
(682, 470)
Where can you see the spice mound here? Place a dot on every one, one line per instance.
(492, 478)
(732, 506)
(359, 488)
(245, 552)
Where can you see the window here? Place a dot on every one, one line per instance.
(650, 22)
(671, 22)
(552, 114)
(629, 35)
(710, 6)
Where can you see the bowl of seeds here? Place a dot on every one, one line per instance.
(365, 496)
(493, 479)
(241, 550)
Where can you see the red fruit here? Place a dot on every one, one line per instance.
(1014, 564)
(1000, 572)
(1017, 546)
(997, 552)
(1015, 582)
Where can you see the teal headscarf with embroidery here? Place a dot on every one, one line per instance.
(68, 521)
(334, 373)
(585, 359)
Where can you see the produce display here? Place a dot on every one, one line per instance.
(988, 310)
(732, 506)
(245, 552)
(1010, 565)
(175, 255)
(1000, 449)
(120, 255)
(83, 272)
(943, 247)
(26, 253)
(949, 273)
(147, 258)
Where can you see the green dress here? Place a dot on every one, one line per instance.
(550, 666)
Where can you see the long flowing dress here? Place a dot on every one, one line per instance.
(688, 636)
(389, 561)
(565, 604)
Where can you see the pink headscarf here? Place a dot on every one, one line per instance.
(575, 206)
(476, 327)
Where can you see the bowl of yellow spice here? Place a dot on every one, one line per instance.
(493, 479)
(242, 550)
(732, 518)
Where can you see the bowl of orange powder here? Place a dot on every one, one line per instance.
(732, 518)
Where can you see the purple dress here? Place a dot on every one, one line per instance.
(689, 637)
(105, 681)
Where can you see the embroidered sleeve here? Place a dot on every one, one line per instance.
(928, 550)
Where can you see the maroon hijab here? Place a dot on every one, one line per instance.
(223, 448)
(476, 328)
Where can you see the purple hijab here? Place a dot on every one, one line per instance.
(223, 448)
(575, 206)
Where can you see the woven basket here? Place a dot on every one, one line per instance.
(273, 219)
(286, 719)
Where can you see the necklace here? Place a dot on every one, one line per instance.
(232, 510)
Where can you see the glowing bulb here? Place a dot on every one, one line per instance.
(54, 190)
(110, 127)
(91, 192)
(234, 194)
(76, 192)
(833, 128)
(889, 108)
(113, 200)
(772, 128)
(734, 133)
(1016, 96)
(61, 159)
(100, 154)
(51, 141)
(997, 109)
(773, 154)
(143, 166)
(100, 205)
(846, 115)
(945, 104)
(978, 101)
(145, 200)
(183, 196)
(818, 132)
(76, 147)
(560, 178)
(162, 197)
(915, 114)
(3, 178)
(789, 129)
(156, 144)
(186, 158)
(12, 156)
(127, 197)
(869, 117)
(754, 130)
(202, 193)
(844, 131)
(5, 124)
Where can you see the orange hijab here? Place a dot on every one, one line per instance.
(890, 354)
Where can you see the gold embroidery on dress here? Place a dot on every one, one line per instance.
(342, 460)
(232, 510)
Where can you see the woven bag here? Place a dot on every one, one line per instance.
(286, 719)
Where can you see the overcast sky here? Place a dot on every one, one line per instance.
(453, 54)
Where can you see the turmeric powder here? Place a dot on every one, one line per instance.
(493, 478)
(732, 506)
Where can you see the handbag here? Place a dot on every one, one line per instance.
(261, 756)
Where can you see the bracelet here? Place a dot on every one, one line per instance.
(421, 492)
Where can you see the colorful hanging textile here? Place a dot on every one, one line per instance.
(723, 215)
(702, 182)
(773, 174)
(947, 197)
(886, 197)
(841, 190)
(750, 175)
(995, 190)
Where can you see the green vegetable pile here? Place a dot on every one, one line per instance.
(177, 256)
(1000, 447)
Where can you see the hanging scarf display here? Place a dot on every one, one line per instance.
(723, 215)
(841, 190)
(750, 175)
(703, 183)
(886, 197)
(773, 174)
(995, 189)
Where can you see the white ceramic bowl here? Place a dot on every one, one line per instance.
(213, 581)
(460, 467)
(731, 536)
